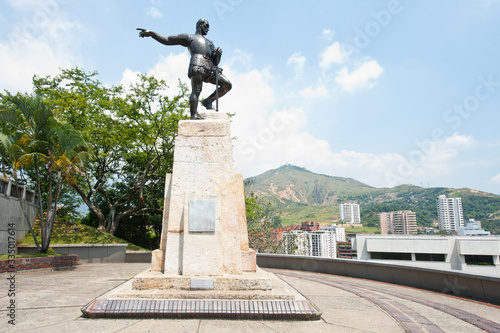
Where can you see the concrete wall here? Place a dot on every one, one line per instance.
(455, 248)
(88, 253)
(445, 281)
(138, 256)
(12, 212)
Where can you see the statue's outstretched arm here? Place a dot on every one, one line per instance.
(182, 39)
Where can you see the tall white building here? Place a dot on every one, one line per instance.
(450, 214)
(349, 213)
(333, 234)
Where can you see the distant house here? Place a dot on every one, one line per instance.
(472, 228)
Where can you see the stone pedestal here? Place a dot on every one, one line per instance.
(204, 222)
(204, 260)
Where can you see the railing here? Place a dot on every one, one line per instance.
(17, 191)
(17, 211)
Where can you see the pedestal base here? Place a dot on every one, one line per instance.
(150, 280)
(282, 302)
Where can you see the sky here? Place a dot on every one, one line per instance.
(386, 92)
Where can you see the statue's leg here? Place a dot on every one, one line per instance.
(196, 86)
(224, 86)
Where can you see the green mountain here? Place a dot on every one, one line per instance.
(298, 195)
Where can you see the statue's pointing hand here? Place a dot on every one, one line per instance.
(145, 33)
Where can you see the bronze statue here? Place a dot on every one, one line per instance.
(203, 66)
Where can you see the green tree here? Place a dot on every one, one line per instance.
(130, 132)
(260, 223)
(46, 147)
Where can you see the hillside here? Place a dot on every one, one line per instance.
(76, 233)
(297, 195)
(290, 184)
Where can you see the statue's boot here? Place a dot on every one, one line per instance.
(197, 116)
(207, 103)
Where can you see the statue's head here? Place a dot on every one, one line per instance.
(202, 26)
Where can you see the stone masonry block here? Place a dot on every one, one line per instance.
(249, 261)
(157, 261)
(204, 128)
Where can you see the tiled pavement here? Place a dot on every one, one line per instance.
(50, 301)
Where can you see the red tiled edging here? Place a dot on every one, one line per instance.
(25, 264)
(195, 308)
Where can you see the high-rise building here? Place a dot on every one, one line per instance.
(333, 235)
(450, 214)
(349, 213)
(398, 223)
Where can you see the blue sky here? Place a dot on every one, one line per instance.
(386, 92)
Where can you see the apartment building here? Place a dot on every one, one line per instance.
(398, 223)
(350, 213)
(450, 213)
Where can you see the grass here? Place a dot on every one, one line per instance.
(296, 214)
(49, 253)
(360, 230)
(76, 233)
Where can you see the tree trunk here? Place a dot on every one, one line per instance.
(39, 192)
(94, 209)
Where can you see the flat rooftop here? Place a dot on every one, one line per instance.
(50, 301)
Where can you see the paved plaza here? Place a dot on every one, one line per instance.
(50, 301)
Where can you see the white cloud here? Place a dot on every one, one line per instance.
(362, 77)
(31, 5)
(327, 34)
(41, 42)
(297, 61)
(170, 69)
(495, 179)
(431, 161)
(154, 12)
(239, 57)
(316, 91)
(460, 141)
(334, 54)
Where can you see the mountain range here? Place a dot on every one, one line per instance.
(297, 195)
